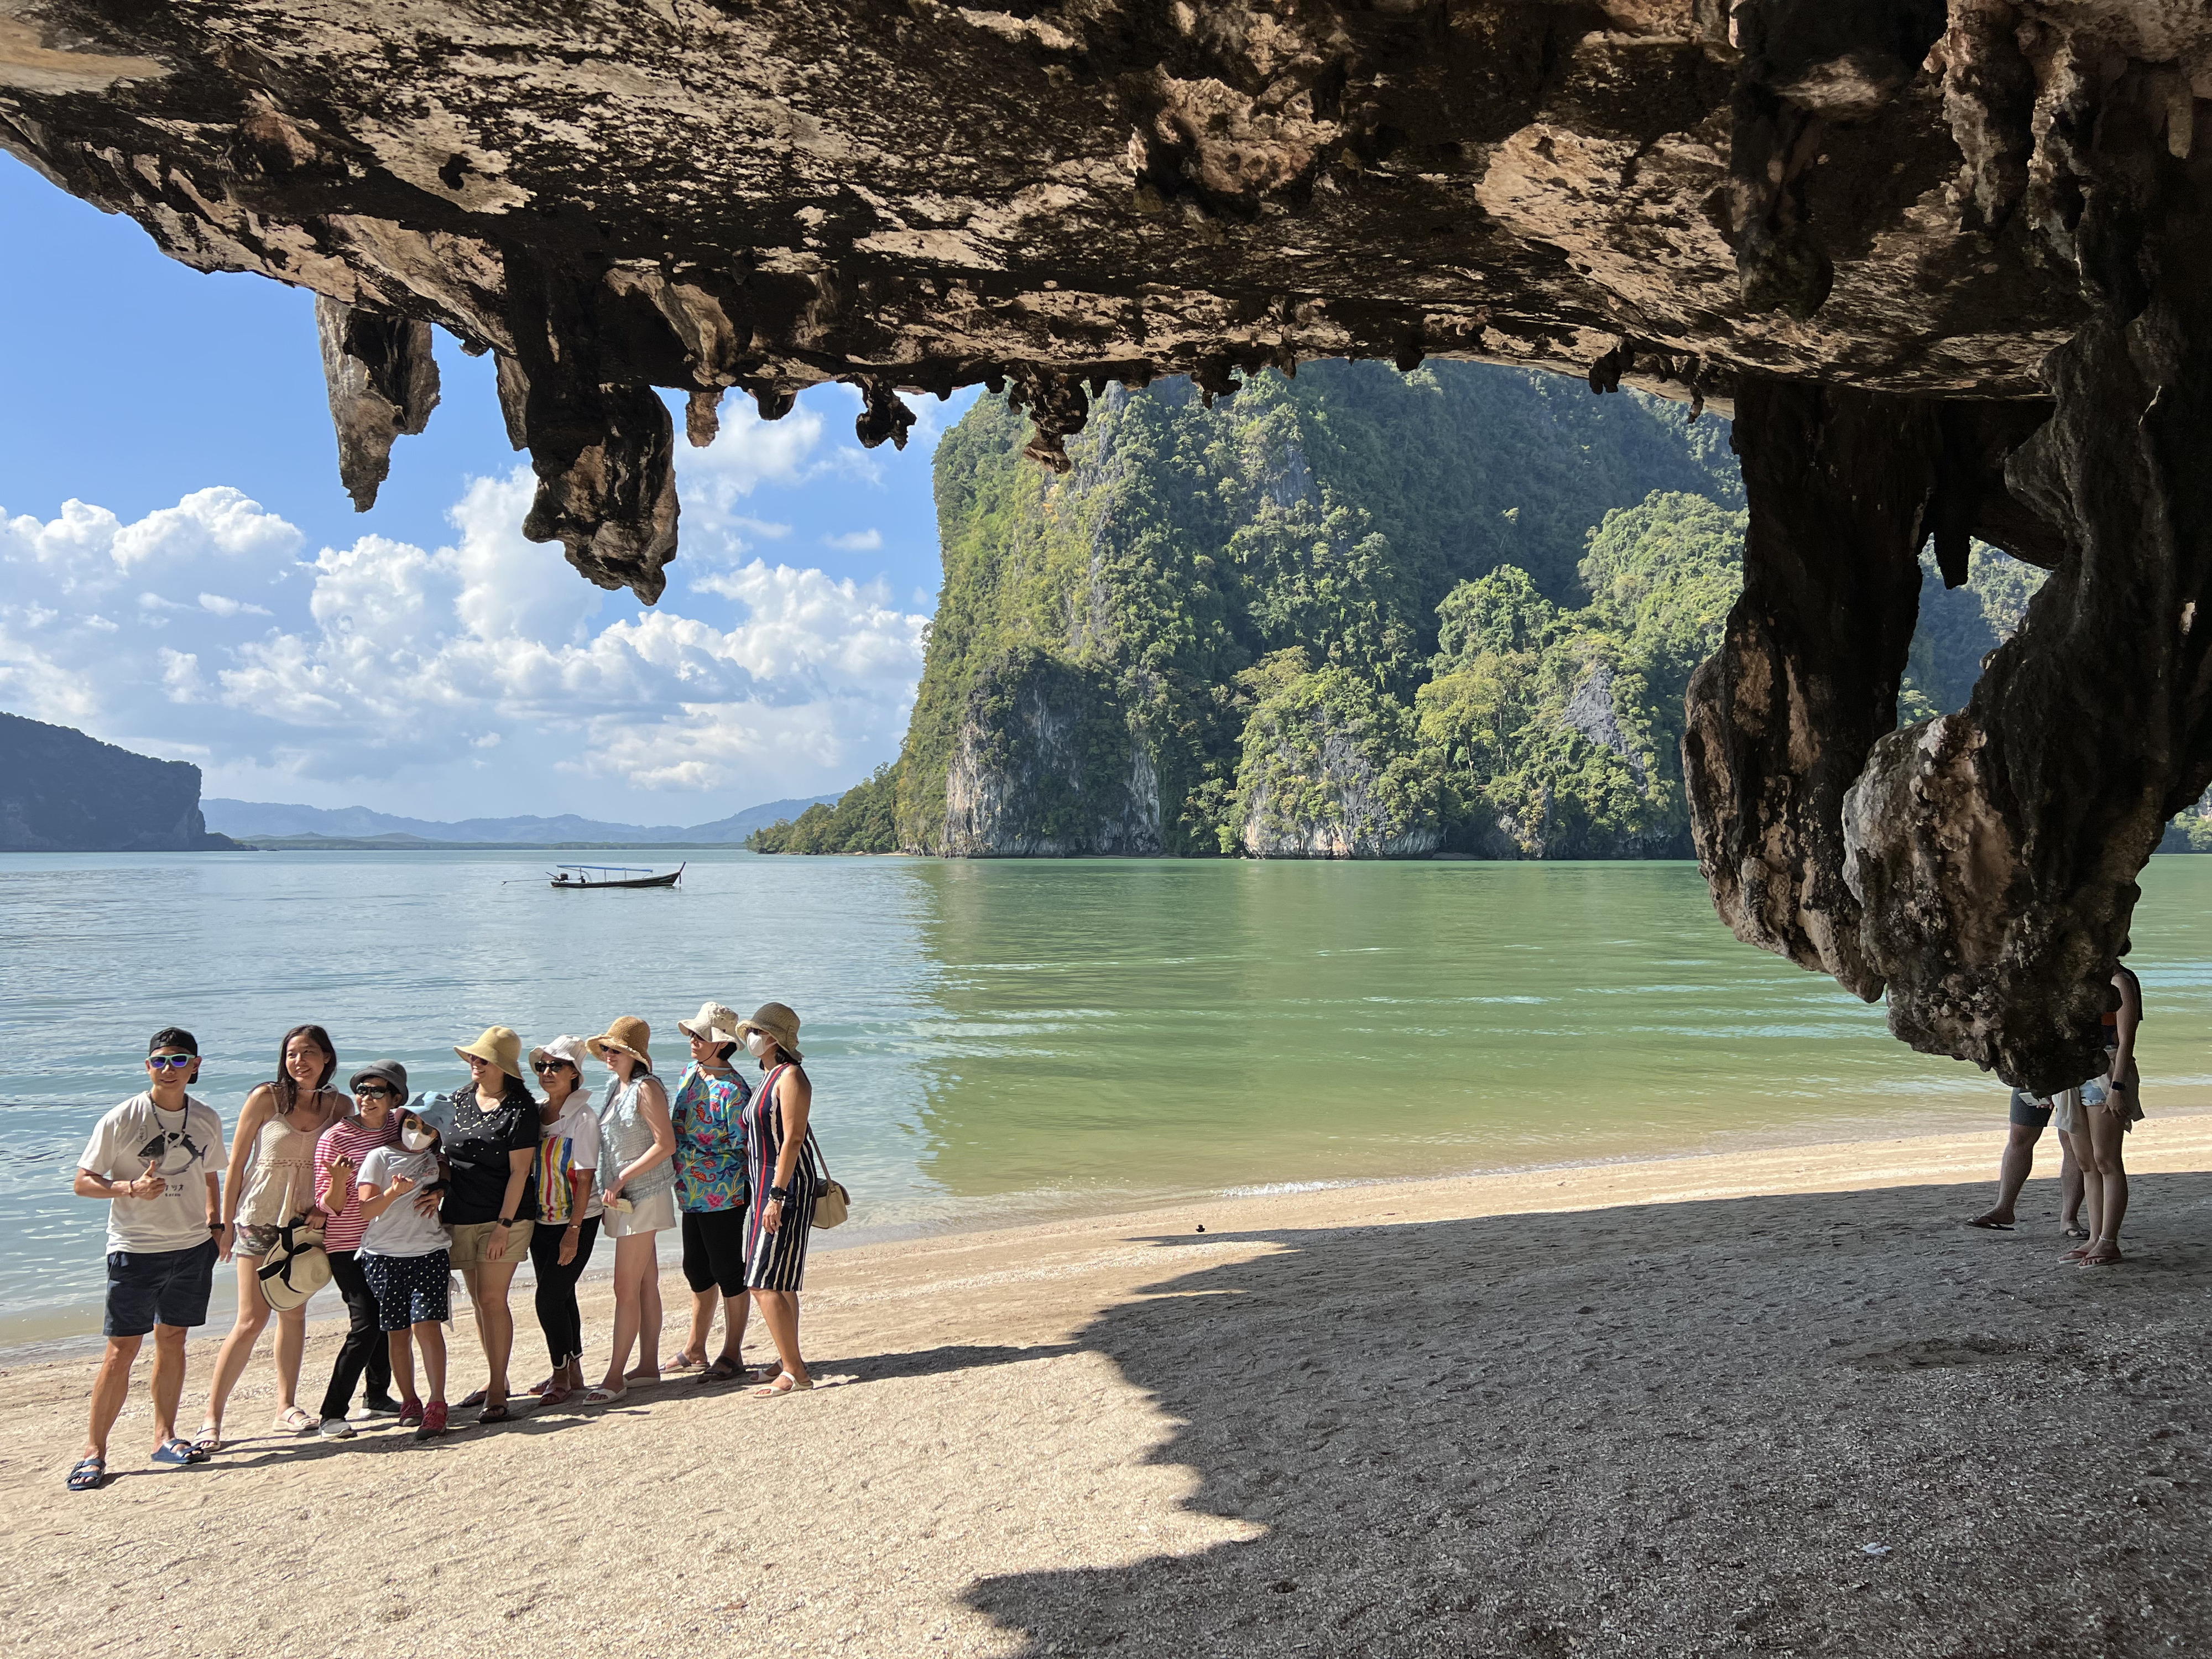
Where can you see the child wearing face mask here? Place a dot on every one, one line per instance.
(406, 1259)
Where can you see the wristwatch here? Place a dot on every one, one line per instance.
(779, 1193)
(504, 1221)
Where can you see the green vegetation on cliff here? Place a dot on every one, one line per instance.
(1357, 613)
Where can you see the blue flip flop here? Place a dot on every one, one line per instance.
(176, 1452)
(88, 1474)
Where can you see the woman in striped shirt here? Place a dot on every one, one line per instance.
(781, 1213)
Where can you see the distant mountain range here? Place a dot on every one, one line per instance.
(249, 820)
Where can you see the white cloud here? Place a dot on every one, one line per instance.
(855, 541)
(486, 669)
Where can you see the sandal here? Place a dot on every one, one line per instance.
(724, 1370)
(498, 1413)
(685, 1362)
(89, 1474)
(474, 1397)
(604, 1396)
(785, 1383)
(557, 1395)
(293, 1420)
(177, 1452)
(208, 1439)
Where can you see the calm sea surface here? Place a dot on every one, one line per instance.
(998, 1039)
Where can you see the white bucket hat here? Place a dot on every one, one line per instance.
(570, 1048)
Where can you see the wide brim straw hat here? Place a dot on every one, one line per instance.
(629, 1034)
(774, 1021)
(570, 1048)
(713, 1023)
(501, 1047)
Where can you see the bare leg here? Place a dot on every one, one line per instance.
(238, 1346)
(488, 1283)
(109, 1390)
(168, 1379)
(2013, 1171)
(291, 1346)
(2069, 1184)
(780, 1309)
(403, 1364)
(432, 1337)
(2107, 1135)
(703, 1306)
(633, 1256)
(735, 1311)
(2093, 1187)
(649, 1315)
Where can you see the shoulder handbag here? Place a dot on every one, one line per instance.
(832, 1203)
(295, 1268)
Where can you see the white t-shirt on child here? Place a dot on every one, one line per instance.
(401, 1229)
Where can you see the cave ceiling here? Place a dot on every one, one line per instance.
(1946, 264)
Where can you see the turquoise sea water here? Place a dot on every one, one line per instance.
(998, 1039)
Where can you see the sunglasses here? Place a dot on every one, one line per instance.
(171, 1062)
(374, 1091)
(542, 1066)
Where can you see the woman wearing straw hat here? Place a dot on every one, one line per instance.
(707, 1111)
(492, 1204)
(567, 1209)
(637, 1185)
(782, 1209)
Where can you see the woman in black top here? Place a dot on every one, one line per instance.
(493, 1202)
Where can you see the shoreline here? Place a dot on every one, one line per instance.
(1948, 1156)
(1781, 1391)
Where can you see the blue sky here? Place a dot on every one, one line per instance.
(180, 571)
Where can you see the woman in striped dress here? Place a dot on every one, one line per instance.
(782, 1211)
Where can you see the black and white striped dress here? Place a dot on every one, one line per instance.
(776, 1260)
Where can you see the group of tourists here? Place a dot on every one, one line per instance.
(387, 1194)
(2093, 1119)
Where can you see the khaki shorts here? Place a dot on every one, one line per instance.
(472, 1243)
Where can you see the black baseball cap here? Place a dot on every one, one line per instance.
(174, 1038)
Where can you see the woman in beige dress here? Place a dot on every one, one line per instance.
(271, 1181)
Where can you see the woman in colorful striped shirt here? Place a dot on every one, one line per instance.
(567, 1209)
(782, 1209)
(708, 1113)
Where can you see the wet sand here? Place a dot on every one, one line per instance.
(1777, 1401)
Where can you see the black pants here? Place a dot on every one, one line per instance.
(365, 1353)
(715, 1251)
(557, 1288)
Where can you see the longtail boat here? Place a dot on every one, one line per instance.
(572, 877)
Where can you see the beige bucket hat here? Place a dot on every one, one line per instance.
(715, 1021)
(500, 1046)
(629, 1034)
(776, 1021)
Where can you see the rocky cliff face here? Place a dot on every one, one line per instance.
(62, 792)
(1045, 765)
(1945, 259)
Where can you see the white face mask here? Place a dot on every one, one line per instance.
(417, 1139)
(756, 1043)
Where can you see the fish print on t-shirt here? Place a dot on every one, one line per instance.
(164, 1146)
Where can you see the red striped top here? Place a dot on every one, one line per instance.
(349, 1137)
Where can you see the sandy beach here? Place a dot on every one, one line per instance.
(1772, 1401)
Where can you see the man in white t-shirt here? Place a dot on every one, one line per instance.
(157, 1159)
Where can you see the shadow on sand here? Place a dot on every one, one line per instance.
(1835, 1423)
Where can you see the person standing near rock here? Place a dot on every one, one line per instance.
(156, 1160)
(782, 1171)
(2030, 1115)
(2109, 1106)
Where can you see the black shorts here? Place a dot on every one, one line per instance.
(715, 1250)
(146, 1288)
(2028, 1112)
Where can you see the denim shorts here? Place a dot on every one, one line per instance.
(146, 1288)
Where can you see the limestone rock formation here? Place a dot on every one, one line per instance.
(1897, 233)
(62, 792)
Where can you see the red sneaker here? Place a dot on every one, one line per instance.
(434, 1421)
(411, 1413)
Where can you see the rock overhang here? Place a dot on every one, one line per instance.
(1947, 256)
